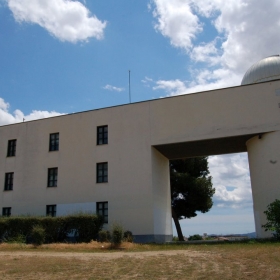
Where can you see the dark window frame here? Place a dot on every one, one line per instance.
(102, 172)
(11, 151)
(51, 210)
(54, 142)
(102, 135)
(102, 210)
(6, 211)
(52, 177)
(9, 181)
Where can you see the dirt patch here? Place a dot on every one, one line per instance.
(107, 255)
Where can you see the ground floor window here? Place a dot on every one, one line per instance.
(51, 210)
(6, 211)
(102, 210)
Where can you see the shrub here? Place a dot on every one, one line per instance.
(104, 236)
(19, 238)
(273, 218)
(195, 237)
(86, 226)
(55, 229)
(38, 235)
(117, 234)
(128, 236)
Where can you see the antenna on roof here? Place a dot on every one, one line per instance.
(129, 86)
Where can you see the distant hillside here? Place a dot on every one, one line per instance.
(250, 235)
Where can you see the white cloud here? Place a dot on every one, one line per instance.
(17, 116)
(231, 179)
(65, 19)
(206, 53)
(173, 87)
(203, 80)
(146, 80)
(112, 88)
(246, 31)
(176, 21)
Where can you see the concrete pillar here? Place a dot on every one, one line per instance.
(161, 197)
(264, 163)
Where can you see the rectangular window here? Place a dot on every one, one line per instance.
(52, 177)
(102, 172)
(102, 135)
(102, 210)
(51, 210)
(12, 144)
(54, 142)
(9, 181)
(6, 211)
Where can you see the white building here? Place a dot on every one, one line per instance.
(116, 160)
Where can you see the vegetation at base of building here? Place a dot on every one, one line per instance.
(191, 189)
(128, 236)
(175, 238)
(19, 238)
(273, 218)
(195, 237)
(104, 236)
(83, 227)
(116, 236)
(38, 235)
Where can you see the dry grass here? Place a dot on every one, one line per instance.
(132, 261)
(93, 246)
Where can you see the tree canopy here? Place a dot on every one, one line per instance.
(191, 189)
(273, 218)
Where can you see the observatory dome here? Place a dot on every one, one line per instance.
(267, 69)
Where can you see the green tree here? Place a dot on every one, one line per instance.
(191, 189)
(273, 218)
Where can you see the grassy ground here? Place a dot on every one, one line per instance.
(132, 261)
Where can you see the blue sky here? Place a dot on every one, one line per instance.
(60, 56)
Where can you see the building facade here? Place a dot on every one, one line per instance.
(115, 161)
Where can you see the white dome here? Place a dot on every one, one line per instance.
(267, 69)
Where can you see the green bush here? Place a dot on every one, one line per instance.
(117, 234)
(273, 218)
(195, 237)
(38, 235)
(128, 236)
(104, 236)
(85, 226)
(3, 228)
(55, 229)
(19, 238)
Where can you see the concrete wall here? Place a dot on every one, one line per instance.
(216, 114)
(129, 190)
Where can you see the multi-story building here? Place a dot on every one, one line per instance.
(115, 161)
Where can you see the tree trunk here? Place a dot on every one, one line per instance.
(178, 227)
